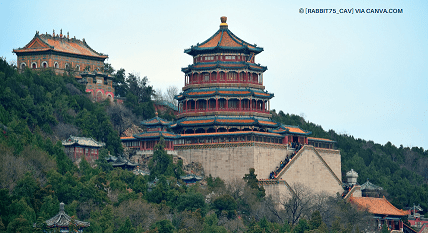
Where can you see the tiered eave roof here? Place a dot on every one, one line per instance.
(222, 40)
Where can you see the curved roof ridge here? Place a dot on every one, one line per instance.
(207, 40)
(242, 42)
(221, 37)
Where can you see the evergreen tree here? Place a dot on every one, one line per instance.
(252, 182)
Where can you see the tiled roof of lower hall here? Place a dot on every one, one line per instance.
(223, 92)
(223, 39)
(291, 129)
(379, 206)
(155, 134)
(320, 139)
(82, 141)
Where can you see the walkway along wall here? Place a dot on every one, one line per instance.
(317, 169)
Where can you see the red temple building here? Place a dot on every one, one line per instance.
(64, 54)
(81, 147)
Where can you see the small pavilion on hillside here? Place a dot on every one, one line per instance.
(62, 221)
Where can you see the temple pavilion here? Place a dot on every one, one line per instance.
(62, 221)
(224, 105)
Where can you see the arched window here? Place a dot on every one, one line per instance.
(34, 65)
(23, 65)
(66, 66)
(77, 67)
(44, 64)
(56, 66)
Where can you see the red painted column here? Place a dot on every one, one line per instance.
(227, 104)
(216, 105)
(206, 106)
(263, 106)
(216, 77)
(306, 140)
(251, 104)
(240, 105)
(196, 106)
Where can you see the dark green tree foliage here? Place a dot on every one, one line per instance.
(225, 204)
(215, 183)
(41, 102)
(191, 201)
(252, 182)
(163, 226)
(139, 96)
(162, 164)
(211, 225)
(316, 220)
(126, 227)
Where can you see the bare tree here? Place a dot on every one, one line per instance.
(158, 96)
(299, 205)
(121, 117)
(171, 92)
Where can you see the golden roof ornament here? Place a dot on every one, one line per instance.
(223, 20)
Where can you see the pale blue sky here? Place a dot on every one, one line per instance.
(361, 74)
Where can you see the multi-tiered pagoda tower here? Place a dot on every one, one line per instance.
(224, 123)
(224, 89)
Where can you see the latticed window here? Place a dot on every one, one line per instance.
(231, 76)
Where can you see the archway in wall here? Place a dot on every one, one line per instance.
(210, 130)
(34, 65)
(233, 104)
(233, 129)
(189, 131)
(44, 64)
(99, 96)
(222, 103)
(23, 65)
(219, 130)
(213, 76)
(211, 104)
(110, 98)
(200, 130)
(201, 104)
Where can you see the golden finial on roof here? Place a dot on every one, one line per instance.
(156, 113)
(223, 20)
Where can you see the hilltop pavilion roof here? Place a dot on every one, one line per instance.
(379, 206)
(223, 39)
(156, 121)
(63, 220)
(82, 141)
(59, 43)
(370, 186)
